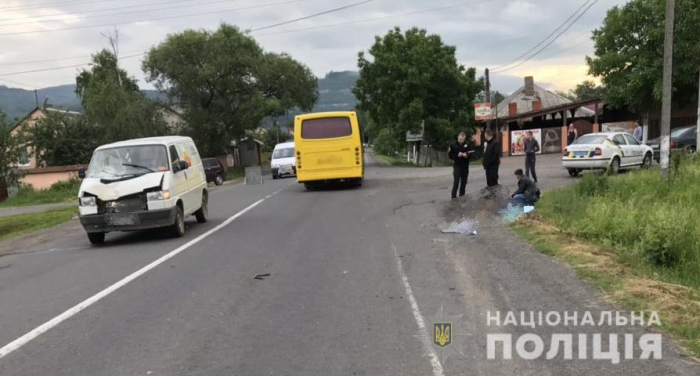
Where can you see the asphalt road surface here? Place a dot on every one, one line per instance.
(346, 278)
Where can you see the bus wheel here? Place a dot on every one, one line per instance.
(309, 186)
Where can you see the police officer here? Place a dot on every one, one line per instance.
(459, 153)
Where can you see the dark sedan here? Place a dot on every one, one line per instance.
(214, 170)
(684, 138)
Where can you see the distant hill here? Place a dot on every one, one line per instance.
(334, 95)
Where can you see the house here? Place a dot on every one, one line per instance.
(28, 159)
(173, 117)
(547, 114)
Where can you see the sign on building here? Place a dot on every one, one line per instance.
(517, 141)
(483, 111)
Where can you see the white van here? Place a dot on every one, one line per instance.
(283, 162)
(144, 183)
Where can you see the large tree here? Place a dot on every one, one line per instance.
(226, 83)
(113, 102)
(65, 138)
(413, 78)
(629, 53)
(11, 147)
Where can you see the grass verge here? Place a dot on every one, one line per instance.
(16, 225)
(396, 162)
(60, 192)
(635, 237)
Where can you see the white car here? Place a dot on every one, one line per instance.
(145, 183)
(283, 162)
(606, 151)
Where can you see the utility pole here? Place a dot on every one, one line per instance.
(488, 94)
(667, 88)
(36, 98)
(114, 43)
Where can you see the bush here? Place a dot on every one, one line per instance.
(386, 143)
(651, 223)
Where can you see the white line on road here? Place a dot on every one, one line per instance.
(434, 361)
(23, 340)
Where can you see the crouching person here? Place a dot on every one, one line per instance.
(527, 193)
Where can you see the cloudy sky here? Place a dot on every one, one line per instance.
(41, 35)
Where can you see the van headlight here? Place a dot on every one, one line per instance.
(88, 201)
(158, 195)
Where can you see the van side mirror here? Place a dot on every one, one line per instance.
(81, 173)
(182, 165)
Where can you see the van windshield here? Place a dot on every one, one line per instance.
(283, 153)
(125, 162)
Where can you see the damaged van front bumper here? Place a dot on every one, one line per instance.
(128, 221)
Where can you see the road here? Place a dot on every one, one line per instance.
(352, 274)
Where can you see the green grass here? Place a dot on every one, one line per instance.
(635, 237)
(653, 225)
(60, 192)
(234, 173)
(396, 161)
(17, 225)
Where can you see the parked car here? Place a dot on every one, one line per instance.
(684, 138)
(140, 184)
(214, 170)
(606, 151)
(283, 162)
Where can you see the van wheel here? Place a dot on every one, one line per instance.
(219, 180)
(178, 228)
(96, 237)
(573, 172)
(203, 213)
(274, 176)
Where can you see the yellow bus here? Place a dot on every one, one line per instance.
(328, 147)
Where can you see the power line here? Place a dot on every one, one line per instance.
(552, 41)
(545, 39)
(92, 11)
(41, 5)
(422, 11)
(143, 53)
(151, 19)
(78, 16)
(312, 16)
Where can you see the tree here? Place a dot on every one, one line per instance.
(570, 95)
(629, 53)
(65, 139)
(226, 83)
(587, 90)
(11, 147)
(413, 78)
(113, 102)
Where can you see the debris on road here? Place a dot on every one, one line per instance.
(465, 226)
(261, 276)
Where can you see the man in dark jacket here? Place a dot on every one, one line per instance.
(527, 192)
(459, 153)
(492, 158)
(532, 147)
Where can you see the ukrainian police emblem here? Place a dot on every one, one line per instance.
(443, 334)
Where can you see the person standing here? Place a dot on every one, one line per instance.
(572, 135)
(527, 192)
(638, 132)
(532, 147)
(459, 154)
(492, 158)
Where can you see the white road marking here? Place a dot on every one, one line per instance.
(434, 360)
(23, 340)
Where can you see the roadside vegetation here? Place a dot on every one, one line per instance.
(66, 191)
(16, 225)
(635, 237)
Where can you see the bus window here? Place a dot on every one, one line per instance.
(326, 128)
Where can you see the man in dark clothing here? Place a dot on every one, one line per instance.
(532, 147)
(459, 153)
(527, 192)
(492, 158)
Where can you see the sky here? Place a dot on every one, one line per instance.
(43, 35)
